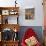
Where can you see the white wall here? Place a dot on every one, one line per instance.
(37, 4)
(38, 21)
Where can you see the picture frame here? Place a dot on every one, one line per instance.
(13, 12)
(29, 13)
(5, 12)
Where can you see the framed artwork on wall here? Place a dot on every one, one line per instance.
(29, 13)
(5, 12)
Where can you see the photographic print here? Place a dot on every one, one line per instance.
(29, 13)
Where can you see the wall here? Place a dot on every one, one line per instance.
(44, 12)
(38, 21)
(37, 4)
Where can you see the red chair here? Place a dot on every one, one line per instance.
(29, 33)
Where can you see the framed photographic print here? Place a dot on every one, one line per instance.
(5, 12)
(29, 13)
(12, 12)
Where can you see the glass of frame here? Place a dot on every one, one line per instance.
(5, 12)
(29, 13)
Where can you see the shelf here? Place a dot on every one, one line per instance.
(11, 41)
(10, 26)
(7, 23)
(5, 8)
(7, 12)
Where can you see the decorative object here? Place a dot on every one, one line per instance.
(30, 38)
(31, 41)
(29, 13)
(7, 34)
(13, 12)
(5, 12)
(15, 37)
